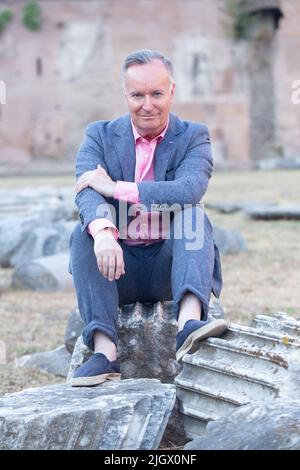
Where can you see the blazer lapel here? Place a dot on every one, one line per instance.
(167, 147)
(123, 142)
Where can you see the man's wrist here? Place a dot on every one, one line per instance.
(107, 232)
(113, 188)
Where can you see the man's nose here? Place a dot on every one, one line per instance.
(147, 103)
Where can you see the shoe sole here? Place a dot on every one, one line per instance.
(216, 328)
(93, 380)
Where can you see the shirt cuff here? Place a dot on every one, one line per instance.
(127, 192)
(99, 224)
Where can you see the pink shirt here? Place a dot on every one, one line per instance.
(146, 227)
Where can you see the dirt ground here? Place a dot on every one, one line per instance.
(263, 279)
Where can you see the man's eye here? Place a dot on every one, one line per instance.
(136, 95)
(157, 93)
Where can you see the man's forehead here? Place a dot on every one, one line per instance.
(143, 74)
(147, 85)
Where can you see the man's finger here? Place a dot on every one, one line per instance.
(100, 264)
(105, 266)
(119, 265)
(82, 178)
(79, 187)
(111, 268)
(99, 167)
(101, 170)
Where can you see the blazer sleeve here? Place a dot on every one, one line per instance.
(91, 205)
(190, 178)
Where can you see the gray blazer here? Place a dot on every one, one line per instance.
(183, 166)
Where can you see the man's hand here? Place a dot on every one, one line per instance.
(97, 179)
(109, 255)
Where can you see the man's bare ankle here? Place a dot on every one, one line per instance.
(103, 344)
(111, 355)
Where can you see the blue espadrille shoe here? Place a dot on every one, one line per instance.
(96, 370)
(187, 340)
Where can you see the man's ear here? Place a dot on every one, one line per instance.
(172, 89)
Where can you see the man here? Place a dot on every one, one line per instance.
(132, 172)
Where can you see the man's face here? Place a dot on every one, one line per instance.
(149, 93)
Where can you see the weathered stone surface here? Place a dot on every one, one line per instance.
(73, 330)
(280, 322)
(45, 202)
(36, 222)
(80, 354)
(35, 243)
(67, 197)
(279, 163)
(64, 229)
(48, 274)
(216, 309)
(146, 343)
(24, 239)
(55, 362)
(129, 414)
(11, 231)
(262, 426)
(147, 336)
(269, 212)
(228, 241)
(243, 366)
(231, 207)
(224, 207)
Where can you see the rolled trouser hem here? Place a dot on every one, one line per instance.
(92, 327)
(179, 297)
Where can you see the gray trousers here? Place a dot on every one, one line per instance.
(161, 271)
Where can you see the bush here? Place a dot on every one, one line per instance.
(242, 21)
(32, 16)
(5, 17)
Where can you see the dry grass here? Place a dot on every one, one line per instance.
(264, 279)
(9, 182)
(31, 322)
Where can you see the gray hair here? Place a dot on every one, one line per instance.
(146, 56)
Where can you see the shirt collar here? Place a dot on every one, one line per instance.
(137, 136)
